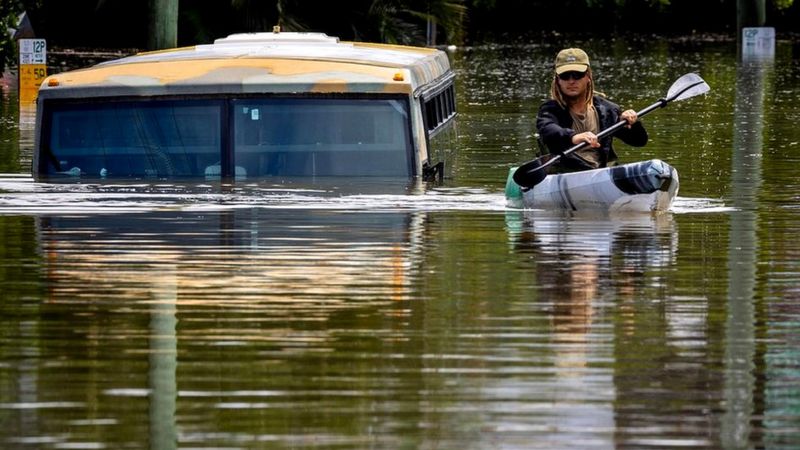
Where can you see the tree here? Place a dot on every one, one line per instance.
(163, 21)
(9, 11)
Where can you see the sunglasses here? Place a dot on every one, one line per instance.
(571, 75)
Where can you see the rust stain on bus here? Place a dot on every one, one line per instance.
(250, 71)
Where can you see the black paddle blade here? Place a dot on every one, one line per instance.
(532, 173)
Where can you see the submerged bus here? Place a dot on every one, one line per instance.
(252, 105)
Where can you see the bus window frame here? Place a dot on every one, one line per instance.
(48, 166)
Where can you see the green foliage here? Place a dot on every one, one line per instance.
(657, 4)
(391, 26)
(8, 17)
(392, 21)
(118, 23)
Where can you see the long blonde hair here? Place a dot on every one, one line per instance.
(555, 91)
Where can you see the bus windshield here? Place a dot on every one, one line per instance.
(261, 137)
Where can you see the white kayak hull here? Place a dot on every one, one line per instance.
(646, 186)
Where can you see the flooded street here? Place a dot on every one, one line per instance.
(155, 314)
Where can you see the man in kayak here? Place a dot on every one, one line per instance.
(575, 114)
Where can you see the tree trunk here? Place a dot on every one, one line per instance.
(163, 31)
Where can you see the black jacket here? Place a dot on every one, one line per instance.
(554, 125)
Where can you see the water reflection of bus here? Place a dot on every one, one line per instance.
(182, 289)
(254, 257)
(251, 105)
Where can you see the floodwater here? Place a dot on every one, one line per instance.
(163, 315)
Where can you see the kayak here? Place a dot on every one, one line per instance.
(644, 186)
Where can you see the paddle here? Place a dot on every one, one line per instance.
(533, 172)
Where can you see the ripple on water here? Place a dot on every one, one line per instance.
(21, 195)
(683, 205)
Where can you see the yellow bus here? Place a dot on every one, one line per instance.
(252, 105)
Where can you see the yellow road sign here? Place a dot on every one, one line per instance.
(32, 69)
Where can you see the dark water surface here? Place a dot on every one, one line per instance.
(166, 316)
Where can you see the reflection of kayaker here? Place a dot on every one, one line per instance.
(633, 240)
(583, 262)
(574, 114)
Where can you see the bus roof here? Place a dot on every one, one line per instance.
(258, 63)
